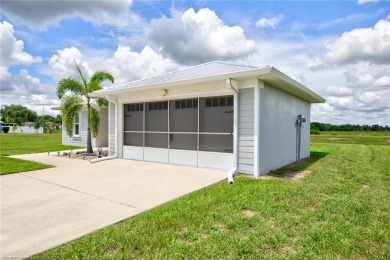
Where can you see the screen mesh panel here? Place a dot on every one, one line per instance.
(156, 116)
(183, 141)
(183, 115)
(216, 116)
(156, 140)
(134, 139)
(134, 117)
(216, 143)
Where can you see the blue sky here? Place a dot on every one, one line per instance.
(340, 49)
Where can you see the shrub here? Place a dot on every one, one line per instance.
(314, 132)
(5, 129)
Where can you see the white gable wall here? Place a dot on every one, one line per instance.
(77, 140)
(100, 141)
(278, 114)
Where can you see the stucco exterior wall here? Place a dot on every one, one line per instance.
(278, 131)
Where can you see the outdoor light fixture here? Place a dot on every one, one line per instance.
(164, 92)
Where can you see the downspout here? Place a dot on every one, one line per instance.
(116, 123)
(103, 159)
(233, 171)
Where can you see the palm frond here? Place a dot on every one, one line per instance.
(101, 76)
(93, 86)
(71, 85)
(102, 102)
(70, 108)
(94, 121)
(81, 75)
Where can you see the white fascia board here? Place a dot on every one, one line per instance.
(294, 87)
(267, 74)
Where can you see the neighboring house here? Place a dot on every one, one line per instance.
(217, 115)
(80, 130)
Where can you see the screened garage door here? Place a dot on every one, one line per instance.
(196, 132)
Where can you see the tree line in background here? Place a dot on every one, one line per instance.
(315, 127)
(20, 116)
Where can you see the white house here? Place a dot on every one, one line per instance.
(218, 115)
(80, 129)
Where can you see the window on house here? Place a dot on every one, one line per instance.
(77, 126)
(158, 105)
(219, 102)
(187, 103)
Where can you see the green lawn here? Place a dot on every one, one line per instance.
(341, 210)
(352, 137)
(12, 165)
(12, 144)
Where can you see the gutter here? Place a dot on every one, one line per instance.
(113, 100)
(233, 171)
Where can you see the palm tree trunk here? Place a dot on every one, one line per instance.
(89, 139)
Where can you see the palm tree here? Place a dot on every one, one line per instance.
(75, 94)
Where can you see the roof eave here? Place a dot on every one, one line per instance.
(267, 74)
(235, 75)
(293, 87)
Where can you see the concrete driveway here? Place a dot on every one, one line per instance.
(46, 208)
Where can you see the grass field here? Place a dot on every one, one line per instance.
(12, 144)
(339, 211)
(381, 138)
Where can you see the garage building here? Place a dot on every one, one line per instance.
(217, 115)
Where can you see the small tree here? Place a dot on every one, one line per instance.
(14, 127)
(72, 104)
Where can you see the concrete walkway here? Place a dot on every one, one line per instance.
(46, 208)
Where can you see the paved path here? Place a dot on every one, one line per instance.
(46, 208)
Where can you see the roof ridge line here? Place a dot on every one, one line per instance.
(182, 69)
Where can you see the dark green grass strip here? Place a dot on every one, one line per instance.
(11, 165)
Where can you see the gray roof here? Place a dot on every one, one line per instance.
(216, 70)
(199, 71)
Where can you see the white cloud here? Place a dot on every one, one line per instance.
(370, 97)
(127, 65)
(369, 76)
(338, 91)
(11, 49)
(62, 64)
(191, 37)
(124, 64)
(364, 44)
(362, 2)
(26, 90)
(270, 22)
(41, 13)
